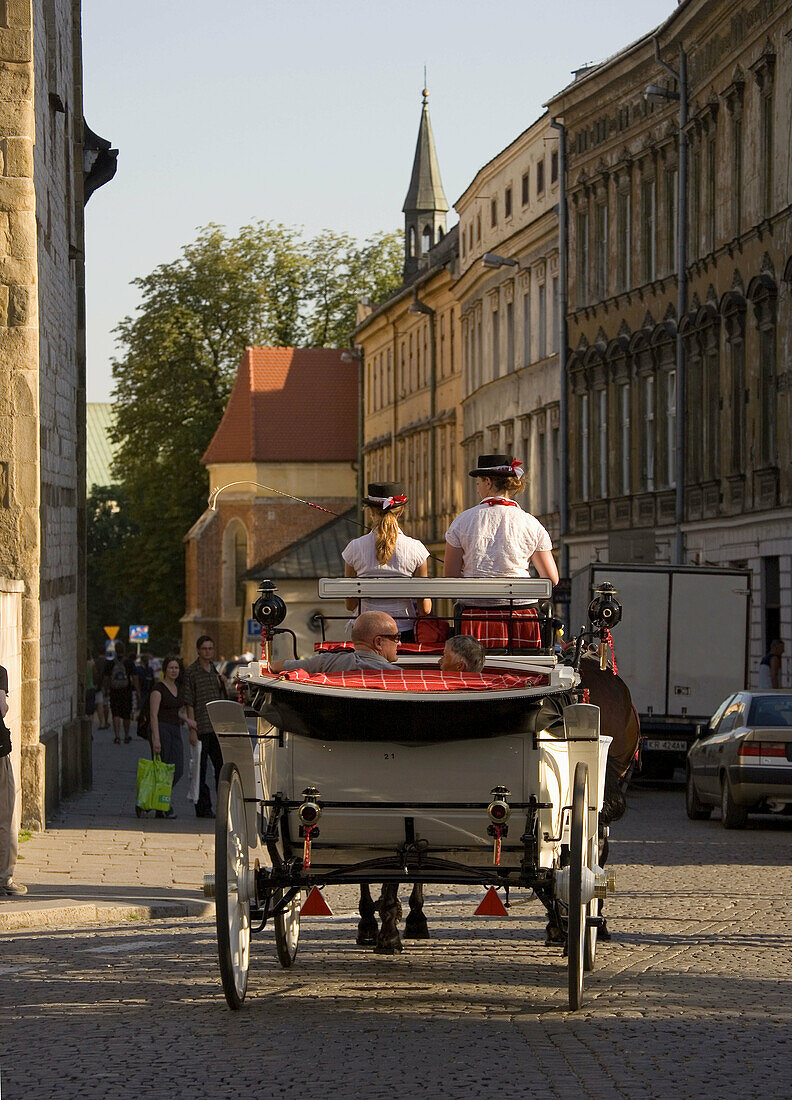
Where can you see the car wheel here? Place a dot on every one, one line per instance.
(696, 810)
(732, 815)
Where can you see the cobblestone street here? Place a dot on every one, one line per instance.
(690, 999)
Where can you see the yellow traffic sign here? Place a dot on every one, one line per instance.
(111, 631)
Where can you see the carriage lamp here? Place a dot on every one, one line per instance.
(309, 811)
(498, 812)
(604, 612)
(269, 611)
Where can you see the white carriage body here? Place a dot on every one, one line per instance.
(427, 783)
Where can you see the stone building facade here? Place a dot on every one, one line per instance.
(44, 184)
(621, 187)
(412, 425)
(290, 427)
(508, 295)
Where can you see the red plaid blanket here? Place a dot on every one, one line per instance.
(418, 680)
(404, 647)
(493, 628)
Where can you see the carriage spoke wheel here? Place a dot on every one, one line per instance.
(287, 929)
(592, 910)
(232, 878)
(578, 851)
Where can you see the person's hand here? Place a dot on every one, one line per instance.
(193, 735)
(192, 724)
(156, 745)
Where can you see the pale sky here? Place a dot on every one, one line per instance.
(305, 112)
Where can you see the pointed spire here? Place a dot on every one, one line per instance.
(426, 188)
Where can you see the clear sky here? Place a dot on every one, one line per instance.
(305, 112)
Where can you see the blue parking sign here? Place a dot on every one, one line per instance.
(138, 633)
(253, 628)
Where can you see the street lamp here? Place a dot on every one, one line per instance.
(656, 94)
(356, 355)
(493, 260)
(417, 306)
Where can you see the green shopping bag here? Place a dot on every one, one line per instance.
(154, 784)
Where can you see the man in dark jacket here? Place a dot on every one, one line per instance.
(202, 684)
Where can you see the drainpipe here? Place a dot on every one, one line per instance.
(563, 407)
(417, 306)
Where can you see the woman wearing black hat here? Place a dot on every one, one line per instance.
(387, 552)
(497, 538)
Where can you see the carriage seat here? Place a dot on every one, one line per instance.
(419, 680)
(405, 648)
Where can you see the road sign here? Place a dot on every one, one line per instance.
(111, 631)
(138, 633)
(253, 628)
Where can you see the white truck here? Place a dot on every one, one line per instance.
(681, 647)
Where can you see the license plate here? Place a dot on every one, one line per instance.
(666, 746)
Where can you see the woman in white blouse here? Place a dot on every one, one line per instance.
(387, 552)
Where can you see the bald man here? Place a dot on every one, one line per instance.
(375, 637)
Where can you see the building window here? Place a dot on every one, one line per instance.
(694, 205)
(602, 442)
(554, 166)
(478, 227)
(671, 417)
(766, 136)
(624, 436)
(712, 398)
(648, 434)
(542, 321)
(493, 212)
(507, 203)
(555, 318)
(509, 337)
(600, 250)
(694, 404)
(623, 239)
(526, 191)
(672, 219)
(540, 177)
(495, 344)
(767, 382)
(583, 468)
(411, 243)
(648, 219)
(582, 258)
(712, 169)
(556, 469)
(526, 329)
(737, 356)
(426, 243)
(737, 175)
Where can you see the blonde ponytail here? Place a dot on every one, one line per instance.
(386, 531)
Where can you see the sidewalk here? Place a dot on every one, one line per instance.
(99, 862)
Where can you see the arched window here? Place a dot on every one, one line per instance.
(439, 233)
(411, 243)
(426, 243)
(763, 293)
(235, 544)
(733, 310)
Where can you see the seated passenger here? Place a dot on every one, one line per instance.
(462, 653)
(376, 641)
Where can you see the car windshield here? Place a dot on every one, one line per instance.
(768, 710)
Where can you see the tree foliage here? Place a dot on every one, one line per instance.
(109, 529)
(179, 353)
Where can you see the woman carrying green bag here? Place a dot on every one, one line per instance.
(167, 712)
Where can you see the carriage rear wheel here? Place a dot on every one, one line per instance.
(232, 886)
(287, 929)
(576, 920)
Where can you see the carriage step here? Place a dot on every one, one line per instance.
(595, 922)
(209, 886)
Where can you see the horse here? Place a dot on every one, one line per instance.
(618, 720)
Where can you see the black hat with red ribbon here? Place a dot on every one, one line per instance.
(498, 466)
(384, 495)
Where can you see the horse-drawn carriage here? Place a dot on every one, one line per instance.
(409, 776)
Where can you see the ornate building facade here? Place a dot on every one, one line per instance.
(508, 295)
(737, 329)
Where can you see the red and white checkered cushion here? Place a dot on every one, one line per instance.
(404, 647)
(418, 680)
(493, 629)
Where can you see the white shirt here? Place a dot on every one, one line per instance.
(408, 554)
(497, 540)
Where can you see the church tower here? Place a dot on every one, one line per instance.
(426, 206)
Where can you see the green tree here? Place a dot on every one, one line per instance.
(179, 355)
(110, 601)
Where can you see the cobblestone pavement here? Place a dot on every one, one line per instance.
(691, 999)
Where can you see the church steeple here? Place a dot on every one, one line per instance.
(426, 206)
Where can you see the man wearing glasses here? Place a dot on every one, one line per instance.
(375, 637)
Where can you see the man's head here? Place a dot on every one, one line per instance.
(205, 647)
(376, 632)
(462, 654)
(777, 648)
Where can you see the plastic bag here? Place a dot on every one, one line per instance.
(154, 784)
(194, 772)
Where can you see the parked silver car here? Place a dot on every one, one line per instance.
(743, 759)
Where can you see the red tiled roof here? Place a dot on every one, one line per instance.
(289, 405)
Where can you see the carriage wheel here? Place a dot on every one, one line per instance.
(232, 900)
(578, 851)
(592, 910)
(287, 929)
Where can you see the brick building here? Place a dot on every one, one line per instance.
(50, 163)
(623, 211)
(290, 425)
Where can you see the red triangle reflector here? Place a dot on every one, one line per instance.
(315, 905)
(491, 905)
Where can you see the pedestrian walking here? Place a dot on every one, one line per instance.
(99, 662)
(9, 825)
(167, 711)
(146, 680)
(120, 680)
(203, 684)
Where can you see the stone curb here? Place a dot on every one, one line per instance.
(51, 916)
